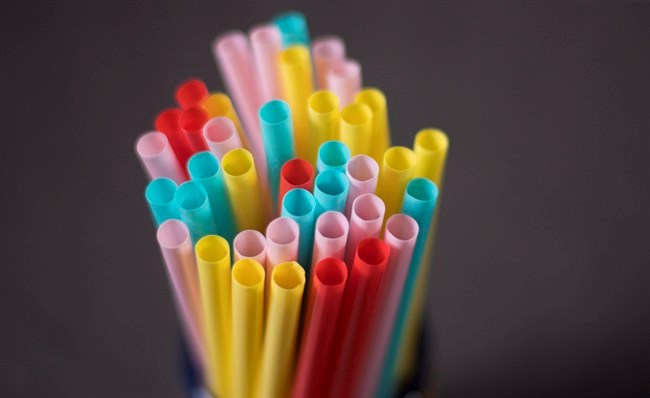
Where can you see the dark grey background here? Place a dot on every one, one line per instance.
(541, 277)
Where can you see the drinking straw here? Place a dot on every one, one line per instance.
(400, 236)
(192, 121)
(167, 123)
(243, 190)
(176, 248)
(296, 173)
(358, 305)
(396, 171)
(332, 155)
(376, 101)
(277, 133)
(366, 218)
(219, 105)
(419, 203)
(160, 198)
(158, 158)
(363, 173)
(250, 244)
(319, 325)
(330, 237)
(324, 120)
(300, 205)
(430, 148)
(248, 307)
(213, 262)
(282, 236)
(344, 80)
(330, 191)
(356, 128)
(327, 52)
(191, 93)
(266, 42)
(204, 169)
(297, 86)
(293, 27)
(287, 285)
(221, 136)
(195, 211)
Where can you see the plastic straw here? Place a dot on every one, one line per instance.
(300, 205)
(396, 171)
(158, 158)
(243, 190)
(324, 120)
(356, 128)
(366, 218)
(344, 80)
(204, 169)
(191, 93)
(248, 307)
(330, 191)
(376, 101)
(400, 236)
(363, 173)
(293, 27)
(192, 121)
(167, 123)
(266, 42)
(359, 302)
(319, 326)
(287, 285)
(419, 203)
(221, 136)
(282, 236)
(330, 237)
(160, 198)
(297, 86)
(277, 132)
(430, 148)
(332, 155)
(296, 173)
(219, 105)
(250, 244)
(194, 208)
(327, 52)
(213, 261)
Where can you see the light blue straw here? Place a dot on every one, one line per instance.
(160, 198)
(293, 27)
(331, 191)
(195, 210)
(299, 205)
(332, 155)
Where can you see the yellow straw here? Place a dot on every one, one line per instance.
(356, 128)
(324, 120)
(396, 171)
(430, 148)
(243, 188)
(219, 104)
(380, 136)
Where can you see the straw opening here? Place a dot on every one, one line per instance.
(324, 102)
(362, 168)
(167, 121)
(329, 47)
(334, 153)
(372, 251)
(161, 191)
(248, 272)
(297, 171)
(265, 35)
(299, 202)
(219, 129)
(237, 162)
(212, 248)
(288, 275)
(399, 158)
(331, 182)
(295, 55)
(191, 92)
(282, 231)
(432, 140)
(172, 234)
(275, 112)
(402, 227)
(190, 196)
(368, 207)
(332, 225)
(218, 104)
(250, 243)
(356, 114)
(372, 97)
(203, 165)
(193, 119)
(151, 144)
(331, 271)
(422, 189)
(231, 43)
(346, 70)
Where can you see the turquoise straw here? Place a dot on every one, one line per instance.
(299, 205)
(293, 27)
(332, 155)
(195, 210)
(331, 191)
(277, 133)
(204, 168)
(419, 203)
(160, 198)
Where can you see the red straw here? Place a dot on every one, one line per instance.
(296, 173)
(167, 123)
(192, 121)
(191, 93)
(319, 325)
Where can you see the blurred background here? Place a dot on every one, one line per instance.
(541, 271)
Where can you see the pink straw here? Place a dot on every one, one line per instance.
(327, 51)
(365, 222)
(330, 237)
(221, 136)
(344, 80)
(250, 244)
(281, 243)
(157, 157)
(266, 42)
(363, 172)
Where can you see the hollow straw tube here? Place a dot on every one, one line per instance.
(160, 198)
(243, 190)
(366, 218)
(344, 80)
(167, 123)
(219, 105)
(293, 27)
(250, 244)
(319, 325)
(356, 128)
(300, 206)
(194, 208)
(400, 236)
(221, 136)
(330, 191)
(248, 305)
(396, 171)
(324, 120)
(419, 203)
(327, 52)
(376, 101)
(332, 155)
(330, 237)
(277, 133)
(266, 42)
(296, 173)
(359, 302)
(158, 158)
(204, 169)
(276, 370)
(192, 121)
(191, 93)
(282, 236)
(213, 262)
(297, 86)
(430, 148)
(363, 173)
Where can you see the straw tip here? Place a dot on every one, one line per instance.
(167, 121)
(191, 92)
(193, 119)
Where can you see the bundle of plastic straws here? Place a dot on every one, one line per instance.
(295, 237)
